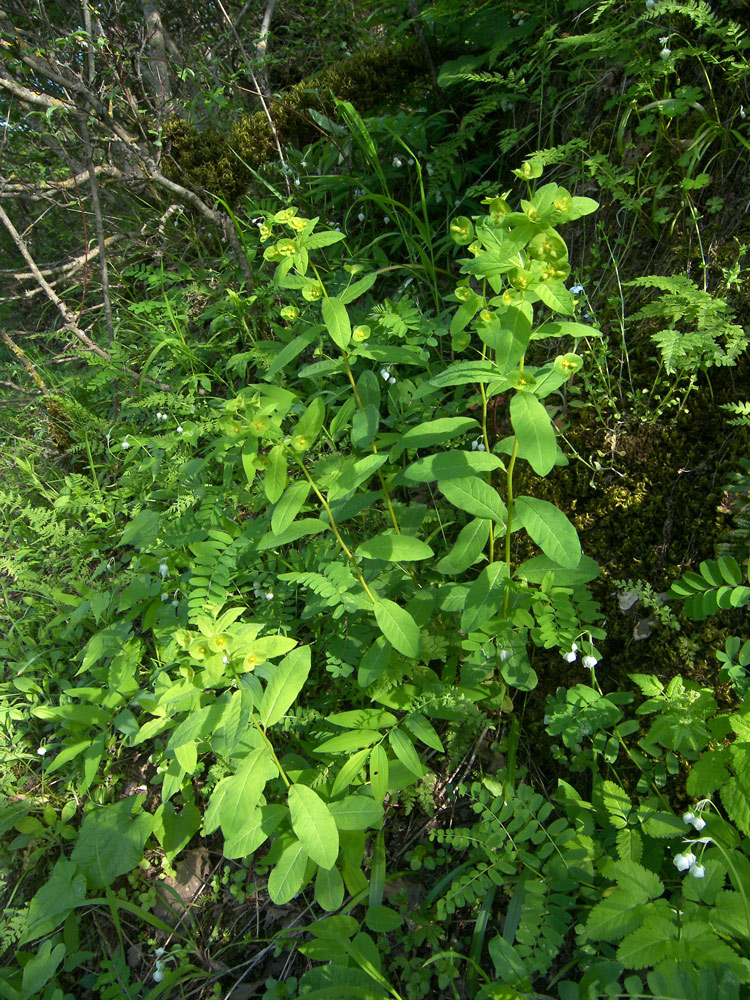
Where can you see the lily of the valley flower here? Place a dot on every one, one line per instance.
(697, 822)
(689, 863)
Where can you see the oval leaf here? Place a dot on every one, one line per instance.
(288, 874)
(289, 506)
(336, 319)
(550, 529)
(475, 497)
(287, 680)
(404, 750)
(451, 465)
(314, 825)
(394, 548)
(467, 548)
(534, 431)
(398, 626)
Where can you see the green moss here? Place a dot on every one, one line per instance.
(212, 161)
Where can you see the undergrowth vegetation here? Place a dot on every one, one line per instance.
(375, 549)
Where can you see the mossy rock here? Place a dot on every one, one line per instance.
(212, 161)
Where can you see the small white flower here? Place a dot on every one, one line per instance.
(688, 818)
(480, 447)
(386, 219)
(41, 751)
(430, 170)
(650, 4)
(684, 861)
(158, 415)
(165, 597)
(304, 163)
(125, 445)
(504, 654)
(665, 53)
(397, 162)
(577, 289)
(697, 871)
(411, 161)
(158, 973)
(163, 570)
(589, 662)
(385, 374)
(159, 952)
(175, 604)
(361, 216)
(743, 113)
(664, 40)
(268, 595)
(179, 430)
(392, 379)
(225, 660)
(699, 823)
(570, 657)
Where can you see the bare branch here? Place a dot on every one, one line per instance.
(69, 321)
(38, 191)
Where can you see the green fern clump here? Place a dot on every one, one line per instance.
(699, 333)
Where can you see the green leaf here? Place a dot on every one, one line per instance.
(614, 917)
(563, 328)
(111, 841)
(349, 771)
(290, 504)
(463, 372)
(288, 874)
(485, 596)
(550, 529)
(235, 798)
(364, 426)
(286, 682)
(296, 530)
(649, 945)
(256, 829)
(707, 774)
(394, 548)
(329, 889)
(61, 893)
(467, 548)
(637, 879)
(475, 497)
(378, 772)
(336, 319)
(358, 288)
(309, 425)
(404, 750)
(533, 428)
(349, 741)
(353, 473)
(736, 801)
(424, 731)
(356, 812)
(274, 480)
(433, 432)
(450, 465)
(175, 829)
(363, 718)
(511, 340)
(398, 626)
(556, 296)
(291, 350)
(314, 825)
(382, 919)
